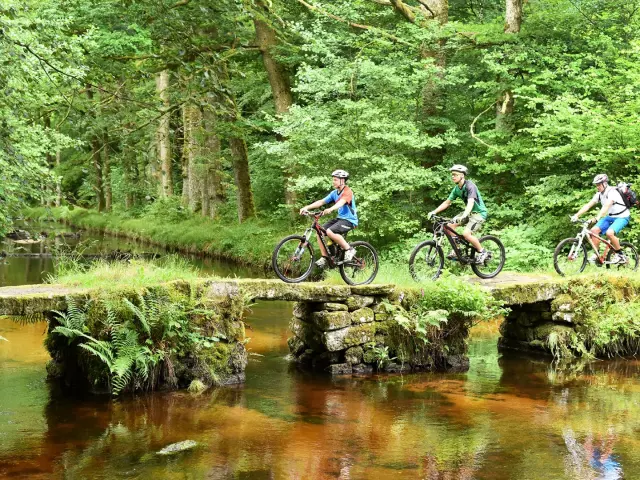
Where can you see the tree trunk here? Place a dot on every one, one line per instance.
(513, 16)
(213, 194)
(97, 166)
(242, 178)
(163, 136)
(280, 89)
(58, 180)
(191, 154)
(129, 176)
(107, 173)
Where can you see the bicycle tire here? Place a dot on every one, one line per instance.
(283, 270)
(434, 257)
(558, 255)
(365, 257)
(631, 252)
(477, 269)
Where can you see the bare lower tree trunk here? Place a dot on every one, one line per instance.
(58, 180)
(280, 89)
(242, 178)
(213, 194)
(192, 153)
(163, 136)
(107, 174)
(128, 174)
(97, 166)
(513, 16)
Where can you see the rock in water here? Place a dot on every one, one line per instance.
(178, 447)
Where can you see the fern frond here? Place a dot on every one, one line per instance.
(105, 355)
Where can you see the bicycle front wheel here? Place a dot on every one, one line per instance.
(363, 268)
(292, 259)
(495, 257)
(426, 261)
(568, 259)
(630, 252)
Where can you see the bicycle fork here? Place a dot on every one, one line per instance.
(300, 250)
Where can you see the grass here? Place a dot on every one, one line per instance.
(136, 273)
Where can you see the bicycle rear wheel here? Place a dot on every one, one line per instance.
(568, 259)
(363, 268)
(492, 266)
(292, 259)
(426, 261)
(632, 255)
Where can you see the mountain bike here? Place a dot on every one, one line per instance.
(570, 256)
(427, 259)
(293, 257)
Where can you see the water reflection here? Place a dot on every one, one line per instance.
(29, 270)
(507, 418)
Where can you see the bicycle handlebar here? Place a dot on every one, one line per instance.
(313, 213)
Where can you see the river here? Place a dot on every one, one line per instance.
(508, 417)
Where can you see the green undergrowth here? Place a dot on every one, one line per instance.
(436, 320)
(251, 242)
(114, 275)
(607, 316)
(134, 340)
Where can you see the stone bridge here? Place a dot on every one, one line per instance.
(351, 329)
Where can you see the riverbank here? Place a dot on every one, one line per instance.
(249, 243)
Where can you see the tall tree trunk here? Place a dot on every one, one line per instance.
(108, 199)
(280, 89)
(513, 16)
(129, 176)
(163, 135)
(505, 103)
(213, 194)
(191, 154)
(58, 180)
(97, 166)
(433, 96)
(242, 178)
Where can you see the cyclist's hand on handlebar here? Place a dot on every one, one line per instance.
(304, 211)
(574, 218)
(430, 215)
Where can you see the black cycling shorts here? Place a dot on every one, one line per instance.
(339, 226)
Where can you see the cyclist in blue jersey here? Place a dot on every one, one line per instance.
(345, 204)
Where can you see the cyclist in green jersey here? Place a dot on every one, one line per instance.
(474, 214)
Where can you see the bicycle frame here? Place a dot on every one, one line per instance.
(441, 229)
(589, 235)
(322, 233)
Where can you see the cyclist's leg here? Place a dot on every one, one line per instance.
(602, 226)
(614, 229)
(340, 226)
(326, 226)
(473, 224)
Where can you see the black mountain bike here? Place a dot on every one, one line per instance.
(293, 257)
(427, 259)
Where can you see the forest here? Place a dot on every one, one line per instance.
(238, 110)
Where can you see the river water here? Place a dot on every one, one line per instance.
(508, 417)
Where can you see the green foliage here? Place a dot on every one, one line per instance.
(606, 316)
(144, 341)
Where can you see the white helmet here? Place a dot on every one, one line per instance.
(340, 174)
(600, 178)
(459, 168)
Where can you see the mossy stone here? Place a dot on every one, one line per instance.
(354, 355)
(348, 337)
(356, 302)
(327, 321)
(362, 315)
(334, 307)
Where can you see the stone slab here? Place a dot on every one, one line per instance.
(327, 321)
(348, 337)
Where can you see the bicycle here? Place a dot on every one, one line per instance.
(570, 255)
(427, 259)
(293, 257)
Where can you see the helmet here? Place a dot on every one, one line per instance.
(459, 168)
(340, 174)
(600, 178)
